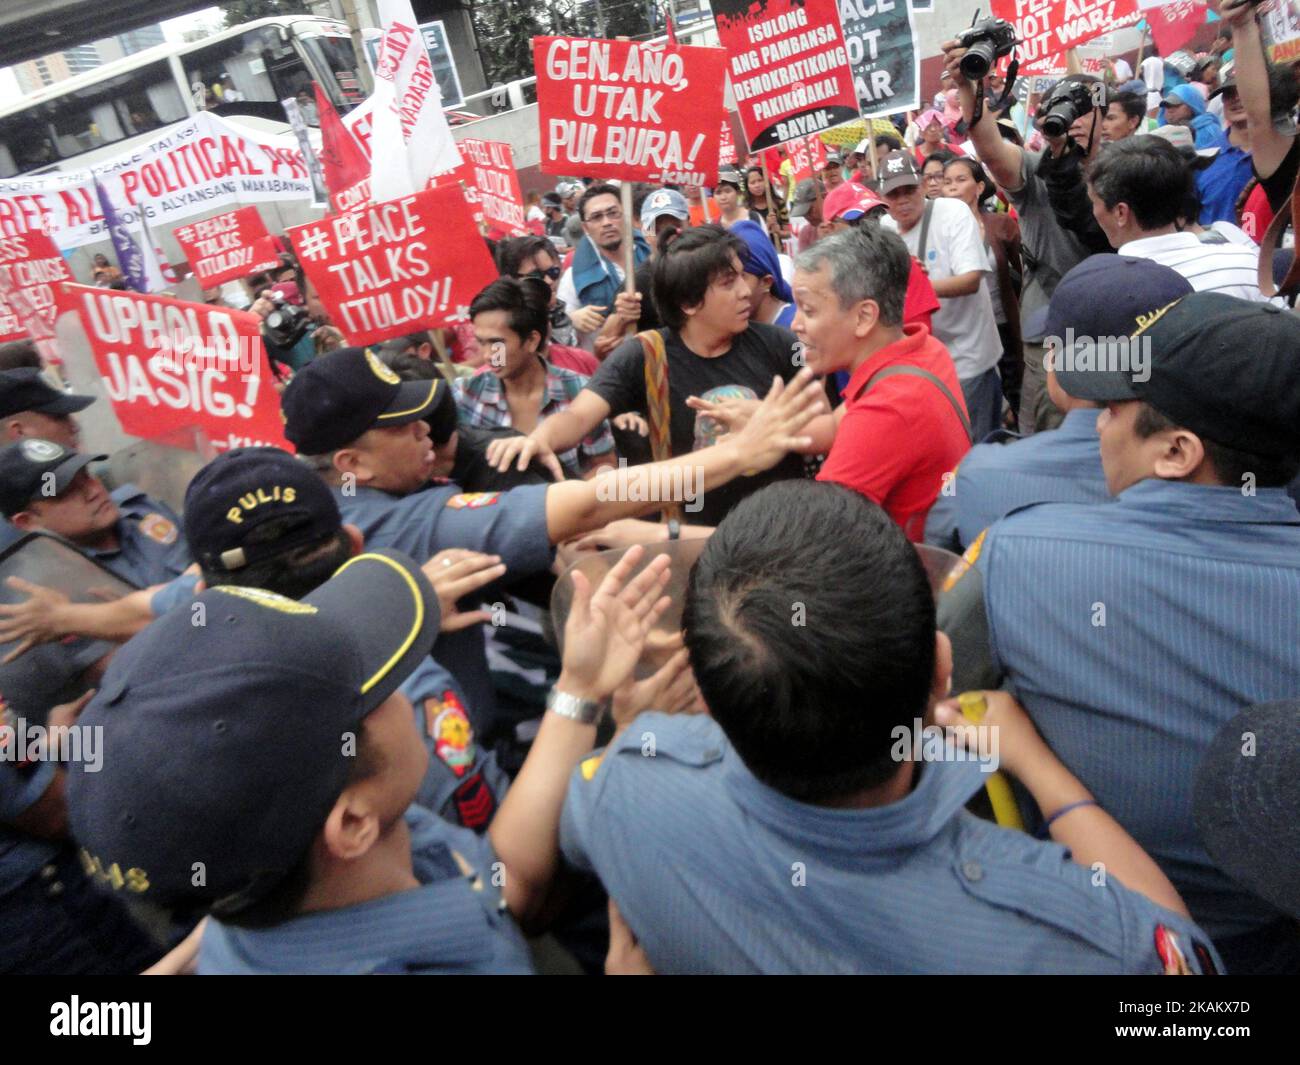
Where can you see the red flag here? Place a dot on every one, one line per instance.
(1173, 25)
(342, 157)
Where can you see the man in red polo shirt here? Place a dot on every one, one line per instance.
(903, 424)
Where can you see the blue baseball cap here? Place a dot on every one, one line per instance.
(244, 489)
(335, 398)
(760, 258)
(1107, 296)
(226, 743)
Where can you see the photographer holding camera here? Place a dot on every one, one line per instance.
(286, 327)
(1046, 188)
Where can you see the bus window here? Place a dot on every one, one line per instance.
(256, 66)
(104, 113)
(335, 58)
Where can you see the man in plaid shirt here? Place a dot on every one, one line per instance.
(517, 388)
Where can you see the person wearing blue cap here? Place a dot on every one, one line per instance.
(1104, 296)
(1132, 630)
(46, 486)
(1184, 105)
(769, 293)
(261, 767)
(363, 429)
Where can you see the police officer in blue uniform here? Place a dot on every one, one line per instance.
(257, 517)
(31, 406)
(46, 486)
(51, 920)
(1131, 631)
(285, 806)
(364, 430)
(792, 831)
(1104, 296)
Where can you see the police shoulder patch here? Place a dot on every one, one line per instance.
(473, 500)
(968, 559)
(158, 528)
(448, 726)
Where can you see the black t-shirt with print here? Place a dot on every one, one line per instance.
(757, 355)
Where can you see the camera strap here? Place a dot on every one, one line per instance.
(1013, 69)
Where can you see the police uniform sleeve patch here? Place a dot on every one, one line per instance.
(1171, 953)
(448, 726)
(473, 500)
(157, 528)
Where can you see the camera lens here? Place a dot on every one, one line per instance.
(978, 59)
(1057, 121)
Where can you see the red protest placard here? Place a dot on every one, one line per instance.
(493, 168)
(789, 68)
(808, 157)
(1048, 27)
(1173, 25)
(619, 109)
(227, 247)
(170, 364)
(727, 146)
(31, 269)
(388, 269)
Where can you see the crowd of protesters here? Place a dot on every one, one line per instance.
(374, 753)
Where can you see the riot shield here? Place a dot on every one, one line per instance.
(52, 673)
(158, 469)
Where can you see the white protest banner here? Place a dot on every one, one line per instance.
(192, 166)
(411, 140)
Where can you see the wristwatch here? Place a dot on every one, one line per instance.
(583, 711)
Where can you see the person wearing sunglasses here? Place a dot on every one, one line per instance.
(537, 258)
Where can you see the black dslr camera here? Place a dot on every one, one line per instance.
(985, 42)
(1068, 102)
(286, 323)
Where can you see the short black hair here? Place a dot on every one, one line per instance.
(19, 353)
(1145, 172)
(684, 270)
(1231, 465)
(811, 630)
(1134, 106)
(592, 192)
(526, 303)
(941, 156)
(292, 574)
(514, 250)
(284, 900)
(888, 140)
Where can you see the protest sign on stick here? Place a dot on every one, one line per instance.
(789, 68)
(391, 268)
(1046, 28)
(881, 42)
(492, 168)
(31, 270)
(227, 247)
(620, 109)
(170, 364)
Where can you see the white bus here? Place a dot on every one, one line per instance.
(241, 73)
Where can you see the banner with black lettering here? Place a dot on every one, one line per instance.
(881, 39)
